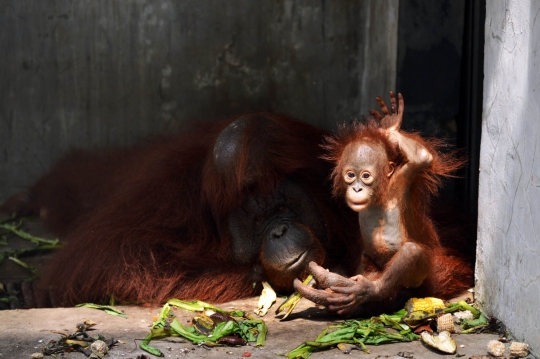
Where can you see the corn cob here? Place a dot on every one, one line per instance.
(428, 304)
(519, 349)
(445, 323)
(495, 348)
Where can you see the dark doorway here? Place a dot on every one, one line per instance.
(440, 72)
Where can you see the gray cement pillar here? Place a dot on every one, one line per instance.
(508, 264)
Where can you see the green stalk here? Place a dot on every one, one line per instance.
(144, 345)
(294, 298)
(303, 351)
(467, 306)
(33, 239)
(24, 265)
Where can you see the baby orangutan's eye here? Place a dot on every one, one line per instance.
(367, 178)
(350, 176)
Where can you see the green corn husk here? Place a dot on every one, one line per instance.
(294, 298)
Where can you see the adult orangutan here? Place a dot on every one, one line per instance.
(200, 215)
(388, 177)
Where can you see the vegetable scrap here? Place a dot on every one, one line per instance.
(495, 348)
(293, 299)
(13, 226)
(428, 304)
(445, 323)
(346, 348)
(267, 298)
(360, 333)
(423, 316)
(212, 326)
(93, 347)
(442, 342)
(108, 309)
(518, 349)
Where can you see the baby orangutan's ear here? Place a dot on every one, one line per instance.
(391, 168)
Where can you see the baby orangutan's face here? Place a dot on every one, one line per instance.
(365, 171)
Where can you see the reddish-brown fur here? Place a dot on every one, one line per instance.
(449, 274)
(149, 223)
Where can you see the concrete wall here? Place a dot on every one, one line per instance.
(95, 73)
(508, 264)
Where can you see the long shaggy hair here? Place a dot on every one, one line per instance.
(150, 222)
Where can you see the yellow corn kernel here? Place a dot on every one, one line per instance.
(428, 304)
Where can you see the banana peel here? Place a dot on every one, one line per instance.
(293, 299)
(417, 318)
(267, 298)
(203, 324)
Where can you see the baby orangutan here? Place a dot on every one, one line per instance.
(387, 176)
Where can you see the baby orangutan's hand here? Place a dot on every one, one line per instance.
(393, 117)
(347, 300)
(338, 294)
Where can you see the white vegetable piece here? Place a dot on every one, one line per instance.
(442, 342)
(267, 298)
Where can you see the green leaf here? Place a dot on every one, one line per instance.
(188, 332)
(108, 309)
(199, 306)
(223, 329)
(254, 330)
(468, 323)
(362, 331)
(345, 333)
(391, 321)
(249, 330)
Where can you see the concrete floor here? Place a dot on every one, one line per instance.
(26, 331)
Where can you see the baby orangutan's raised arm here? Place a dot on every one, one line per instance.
(375, 166)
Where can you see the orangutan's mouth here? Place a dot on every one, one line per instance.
(298, 260)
